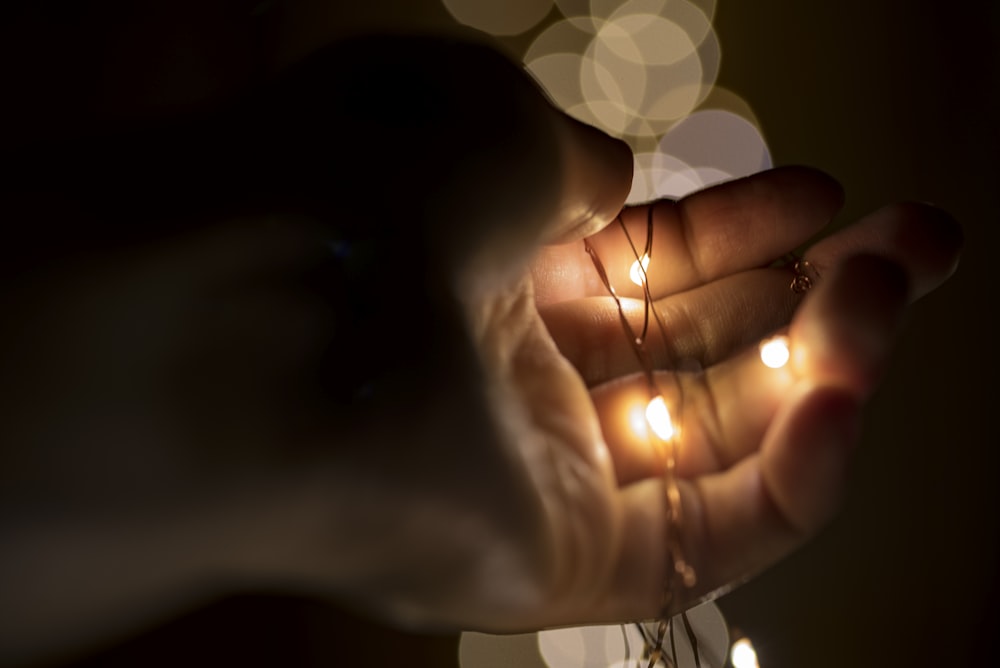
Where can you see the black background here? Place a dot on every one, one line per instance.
(898, 100)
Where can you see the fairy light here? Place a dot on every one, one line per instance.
(637, 272)
(774, 352)
(638, 423)
(644, 71)
(659, 420)
(743, 655)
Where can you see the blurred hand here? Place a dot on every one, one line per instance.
(414, 398)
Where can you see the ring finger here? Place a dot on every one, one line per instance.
(840, 338)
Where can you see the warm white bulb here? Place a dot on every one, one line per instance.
(774, 352)
(638, 273)
(743, 655)
(637, 421)
(659, 419)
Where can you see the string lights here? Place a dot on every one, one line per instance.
(697, 637)
(774, 352)
(664, 439)
(643, 71)
(743, 655)
(659, 648)
(638, 270)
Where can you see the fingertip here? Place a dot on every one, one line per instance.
(930, 235)
(922, 238)
(884, 282)
(817, 191)
(846, 328)
(597, 177)
(942, 229)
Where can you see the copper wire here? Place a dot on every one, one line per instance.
(679, 572)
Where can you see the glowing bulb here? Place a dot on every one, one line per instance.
(659, 418)
(743, 655)
(638, 273)
(637, 421)
(774, 352)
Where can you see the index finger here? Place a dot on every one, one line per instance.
(723, 229)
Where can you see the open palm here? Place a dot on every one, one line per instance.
(438, 430)
(762, 453)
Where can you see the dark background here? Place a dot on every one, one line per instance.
(898, 100)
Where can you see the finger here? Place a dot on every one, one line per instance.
(711, 322)
(738, 522)
(840, 338)
(704, 325)
(923, 239)
(589, 178)
(596, 178)
(742, 520)
(843, 335)
(721, 230)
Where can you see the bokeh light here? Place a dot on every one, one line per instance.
(573, 646)
(655, 175)
(742, 654)
(604, 646)
(645, 71)
(568, 35)
(485, 650)
(720, 139)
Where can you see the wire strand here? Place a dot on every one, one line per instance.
(679, 572)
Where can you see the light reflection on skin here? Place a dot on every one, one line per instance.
(638, 70)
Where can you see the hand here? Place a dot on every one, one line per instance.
(411, 403)
(763, 454)
(522, 498)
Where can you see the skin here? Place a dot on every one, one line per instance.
(202, 400)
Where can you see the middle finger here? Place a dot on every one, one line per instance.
(712, 233)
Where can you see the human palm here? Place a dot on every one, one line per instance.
(440, 436)
(497, 482)
(762, 453)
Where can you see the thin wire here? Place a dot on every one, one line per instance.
(647, 295)
(637, 343)
(673, 645)
(657, 652)
(679, 571)
(646, 639)
(628, 647)
(692, 638)
(647, 253)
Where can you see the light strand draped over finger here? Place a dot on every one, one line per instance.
(679, 573)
